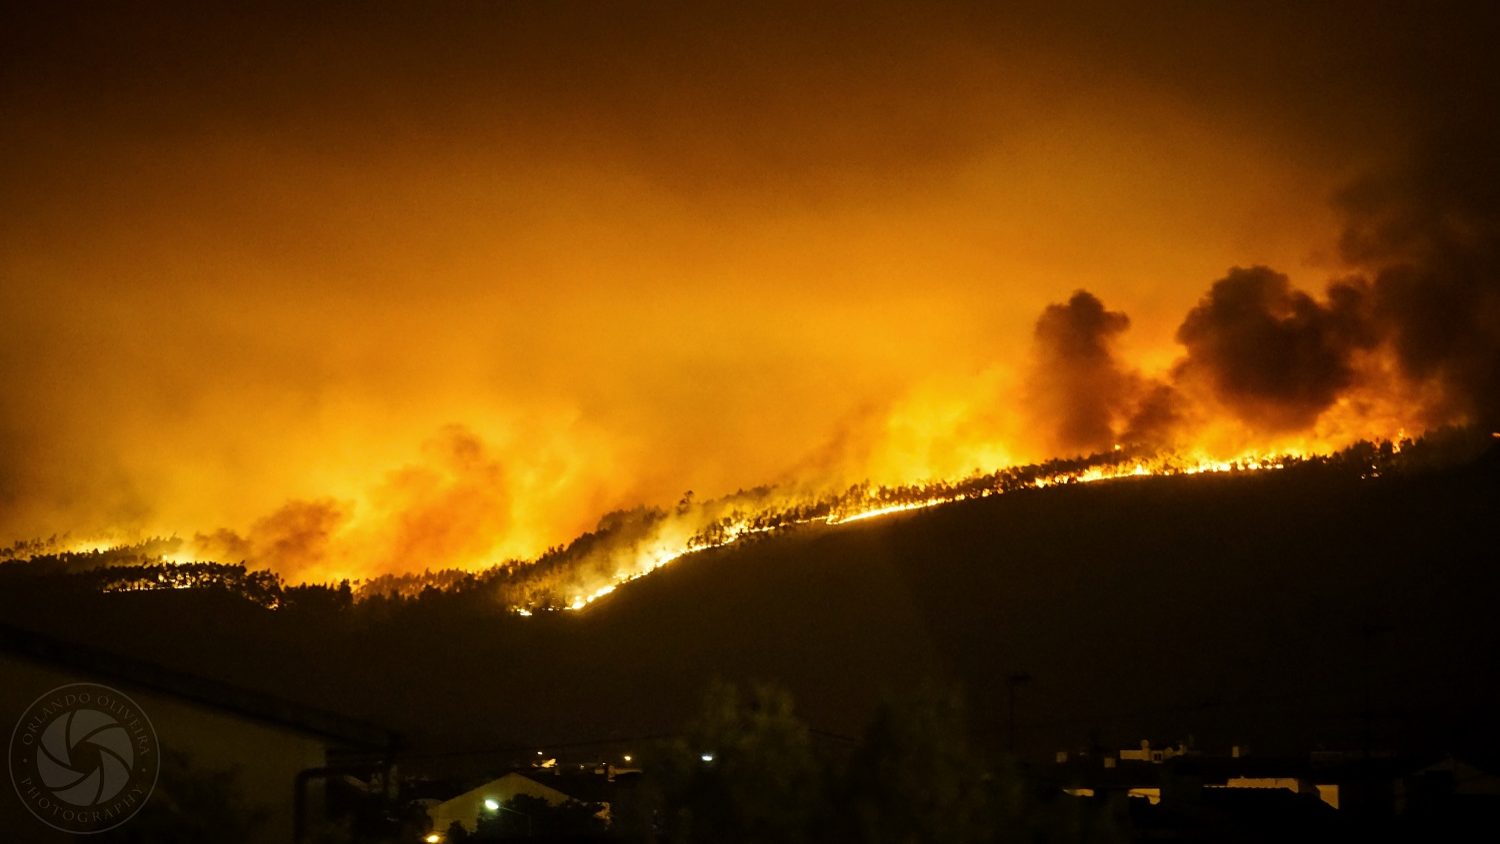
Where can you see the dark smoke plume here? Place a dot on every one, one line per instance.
(295, 538)
(1429, 235)
(1273, 355)
(1156, 418)
(1422, 234)
(1076, 390)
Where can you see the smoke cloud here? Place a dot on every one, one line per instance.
(1076, 383)
(296, 539)
(1428, 233)
(1276, 357)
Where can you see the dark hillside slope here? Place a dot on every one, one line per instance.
(1280, 609)
(1287, 610)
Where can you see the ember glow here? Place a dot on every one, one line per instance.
(346, 295)
(862, 503)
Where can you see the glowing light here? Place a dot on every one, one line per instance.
(866, 502)
(491, 804)
(886, 511)
(573, 583)
(433, 838)
(707, 757)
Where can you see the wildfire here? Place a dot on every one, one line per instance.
(866, 503)
(633, 544)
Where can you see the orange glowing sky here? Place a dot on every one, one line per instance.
(466, 276)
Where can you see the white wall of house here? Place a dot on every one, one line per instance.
(265, 758)
(465, 807)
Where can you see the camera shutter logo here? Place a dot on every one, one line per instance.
(84, 758)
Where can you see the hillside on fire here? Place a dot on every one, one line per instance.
(1326, 604)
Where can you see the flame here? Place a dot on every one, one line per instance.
(625, 550)
(867, 503)
(503, 493)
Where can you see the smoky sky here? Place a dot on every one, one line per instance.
(457, 278)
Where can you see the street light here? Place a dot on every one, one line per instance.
(493, 805)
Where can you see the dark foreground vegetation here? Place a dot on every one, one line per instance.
(746, 768)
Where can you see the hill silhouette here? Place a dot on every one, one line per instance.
(1288, 610)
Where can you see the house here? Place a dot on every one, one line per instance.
(465, 807)
(1453, 796)
(1156, 755)
(222, 745)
